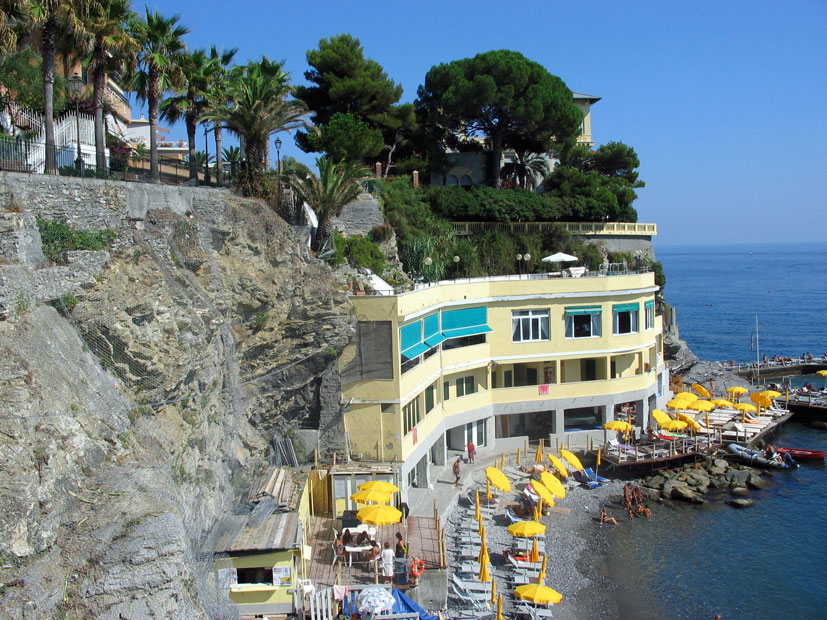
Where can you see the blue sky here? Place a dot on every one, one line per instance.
(724, 102)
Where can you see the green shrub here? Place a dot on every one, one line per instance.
(362, 252)
(380, 233)
(259, 320)
(660, 277)
(339, 246)
(58, 238)
(69, 301)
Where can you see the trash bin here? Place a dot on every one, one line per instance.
(400, 572)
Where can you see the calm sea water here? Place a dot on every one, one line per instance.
(766, 561)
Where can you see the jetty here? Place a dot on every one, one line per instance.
(808, 407)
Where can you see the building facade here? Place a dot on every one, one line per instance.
(491, 359)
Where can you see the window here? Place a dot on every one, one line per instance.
(466, 385)
(649, 307)
(529, 325)
(494, 380)
(259, 575)
(410, 415)
(465, 341)
(583, 322)
(625, 319)
(430, 398)
(508, 378)
(387, 407)
(446, 390)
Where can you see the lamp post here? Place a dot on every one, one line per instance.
(526, 258)
(75, 88)
(278, 155)
(456, 266)
(428, 262)
(519, 265)
(207, 156)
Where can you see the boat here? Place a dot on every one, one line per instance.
(802, 454)
(756, 457)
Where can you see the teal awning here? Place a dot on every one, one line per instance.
(583, 310)
(649, 304)
(415, 351)
(410, 340)
(465, 322)
(626, 307)
(431, 328)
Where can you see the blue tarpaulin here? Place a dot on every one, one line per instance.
(405, 605)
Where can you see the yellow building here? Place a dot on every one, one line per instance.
(492, 359)
(584, 104)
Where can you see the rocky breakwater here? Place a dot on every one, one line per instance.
(136, 406)
(713, 480)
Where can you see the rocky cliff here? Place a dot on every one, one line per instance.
(141, 389)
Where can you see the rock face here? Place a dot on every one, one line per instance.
(136, 411)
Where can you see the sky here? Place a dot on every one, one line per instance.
(724, 102)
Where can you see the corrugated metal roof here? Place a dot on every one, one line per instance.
(274, 533)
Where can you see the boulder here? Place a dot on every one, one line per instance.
(718, 482)
(655, 482)
(685, 494)
(650, 493)
(740, 503)
(739, 491)
(755, 481)
(737, 477)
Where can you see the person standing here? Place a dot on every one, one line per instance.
(455, 469)
(472, 451)
(387, 563)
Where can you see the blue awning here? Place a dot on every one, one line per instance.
(583, 310)
(431, 327)
(626, 307)
(415, 351)
(649, 304)
(410, 340)
(465, 322)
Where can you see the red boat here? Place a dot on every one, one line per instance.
(801, 454)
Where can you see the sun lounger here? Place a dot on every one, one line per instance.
(530, 611)
(477, 602)
(522, 565)
(584, 480)
(591, 474)
(468, 568)
(471, 586)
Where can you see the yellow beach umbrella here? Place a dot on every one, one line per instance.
(379, 515)
(498, 479)
(553, 484)
(488, 494)
(499, 608)
(678, 403)
(543, 491)
(688, 396)
(518, 456)
(484, 575)
(502, 461)
(771, 393)
(701, 390)
(493, 591)
(483, 555)
(538, 594)
(543, 569)
(823, 373)
(675, 425)
(482, 531)
(745, 407)
(558, 465)
(660, 417)
(477, 506)
(526, 529)
(723, 402)
(701, 405)
(571, 459)
(707, 420)
(538, 456)
(618, 425)
(378, 485)
(690, 421)
(534, 555)
(371, 496)
(737, 390)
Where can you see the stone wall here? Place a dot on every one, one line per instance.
(360, 216)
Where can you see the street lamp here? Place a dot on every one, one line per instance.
(75, 88)
(278, 155)
(519, 264)
(526, 258)
(206, 156)
(428, 262)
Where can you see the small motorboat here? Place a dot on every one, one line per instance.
(756, 457)
(802, 454)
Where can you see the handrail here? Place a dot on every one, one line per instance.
(582, 228)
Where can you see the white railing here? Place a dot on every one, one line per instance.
(24, 117)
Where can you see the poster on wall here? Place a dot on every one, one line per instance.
(227, 577)
(281, 576)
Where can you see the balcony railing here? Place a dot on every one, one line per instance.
(466, 229)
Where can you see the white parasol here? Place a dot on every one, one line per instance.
(560, 257)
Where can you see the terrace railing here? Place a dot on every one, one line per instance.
(466, 229)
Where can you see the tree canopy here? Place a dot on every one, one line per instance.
(502, 96)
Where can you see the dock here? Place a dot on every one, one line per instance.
(808, 408)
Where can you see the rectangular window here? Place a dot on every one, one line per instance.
(625, 318)
(446, 390)
(650, 314)
(464, 341)
(460, 387)
(583, 322)
(430, 398)
(494, 380)
(470, 385)
(410, 415)
(508, 378)
(529, 325)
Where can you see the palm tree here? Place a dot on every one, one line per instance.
(110, 49)
(259, 107)
(52, 16)
(154, 72)
(197, 70)
(232, 155)
(336, 185)
(12, 13)
(219, 97)
(526, 169)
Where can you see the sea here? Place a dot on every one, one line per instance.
(766, 561)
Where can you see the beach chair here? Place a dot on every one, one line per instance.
(530, 611)
(522, 565)
(477, 600)
(593, 476)
(584, 480)
(471, 587)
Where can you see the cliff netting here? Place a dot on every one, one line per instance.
(142, 387)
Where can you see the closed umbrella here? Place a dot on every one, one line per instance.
(538, 456)
(379, 515)
(371, 496)
(518, 456)
(498, 479)
(701, 390)
(534, 555)
(488, 494)
(553, 484)
(483, 555)
(484, 575)
(502, 461)
(493, 591)
(482, 532)
(571, 460)
(543, 568)
(378, 485)
(477, 506)
(558, 465)
(499, 607)
(526, 529)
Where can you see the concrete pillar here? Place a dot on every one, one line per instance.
(378, 168)
(440, 451)
(559, 423)
(416, 178)
(489, 431)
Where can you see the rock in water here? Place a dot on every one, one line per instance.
(740, 503)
